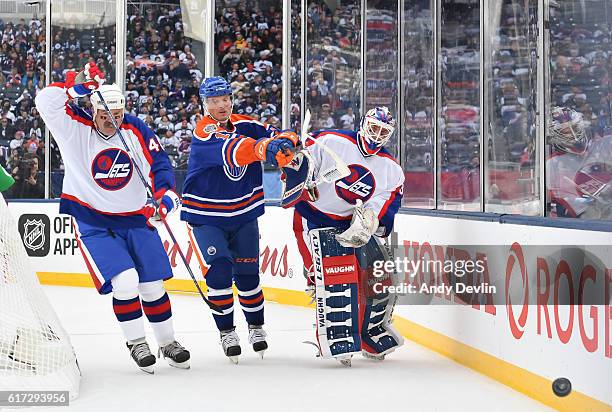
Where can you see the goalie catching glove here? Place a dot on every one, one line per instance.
(168, 202)
(363, 226)
(84, 83)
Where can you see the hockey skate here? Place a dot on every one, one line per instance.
(257, 338)
(175, 355)
(140, 352)
(345, 360)
(231, 344)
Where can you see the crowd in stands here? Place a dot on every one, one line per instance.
(249, 44)
(163, 76)
(333, 60)
(417, 134)
(22, 65)
(581, 63)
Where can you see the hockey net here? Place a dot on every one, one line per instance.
(35, 351)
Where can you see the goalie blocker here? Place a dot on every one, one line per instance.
(351, 317)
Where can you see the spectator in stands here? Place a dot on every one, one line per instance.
(6, 129)
(347, 121)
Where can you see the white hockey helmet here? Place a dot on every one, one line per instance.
(113, 96)
(375, 130)
(566, 130)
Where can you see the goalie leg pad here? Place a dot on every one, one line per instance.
(378, 335)
(337, 295)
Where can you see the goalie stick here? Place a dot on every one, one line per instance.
(149, 189)
(298, 182)
(338, 172)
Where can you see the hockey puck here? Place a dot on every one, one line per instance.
(562, 387)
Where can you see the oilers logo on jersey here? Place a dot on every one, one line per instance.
(112, 169)
(235, 173)
(360, 184)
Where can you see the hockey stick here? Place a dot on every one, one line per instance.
(338, 172)
(147, 186)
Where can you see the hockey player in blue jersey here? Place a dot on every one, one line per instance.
(359, 206)
(222, 199)
(109, 206)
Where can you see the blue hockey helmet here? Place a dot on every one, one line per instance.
(214, 86)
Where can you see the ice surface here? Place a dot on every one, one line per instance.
(290, 378)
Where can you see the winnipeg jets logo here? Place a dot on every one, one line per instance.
(112, 169)
(360, 184)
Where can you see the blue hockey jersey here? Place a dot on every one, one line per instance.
(224, 182)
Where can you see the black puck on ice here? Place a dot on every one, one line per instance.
(562, 387)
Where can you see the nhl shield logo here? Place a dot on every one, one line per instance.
(34, 234)
(35, 231)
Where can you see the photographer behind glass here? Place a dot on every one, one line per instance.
(27, 185)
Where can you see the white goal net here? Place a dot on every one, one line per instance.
(35, 351)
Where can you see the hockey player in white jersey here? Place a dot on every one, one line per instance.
(578, 168)
(113, 217)
(358, 206)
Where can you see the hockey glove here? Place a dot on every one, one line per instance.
(93, 78)
(274, 152)
(289, 135)
(168, 202)
(363, 226)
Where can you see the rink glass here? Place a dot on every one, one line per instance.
(75, 42)
(458, 108)
(578, 78)
(510, 108)
(333, 63)
(381, 57)
(416, 132)
(24, 157)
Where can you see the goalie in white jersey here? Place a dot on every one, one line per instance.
(360, 205)
(114, 218)
(578, 168)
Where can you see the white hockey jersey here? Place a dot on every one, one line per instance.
(566, 171)
(101, 187)
(376, 180)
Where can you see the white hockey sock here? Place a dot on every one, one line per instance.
(126, 304)
(156, 305)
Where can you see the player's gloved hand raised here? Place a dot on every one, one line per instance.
(168, 202)
(274, 151)
(85, 82)
(363, 226)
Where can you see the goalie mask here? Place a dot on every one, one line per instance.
(566, 132)
(375, 130)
